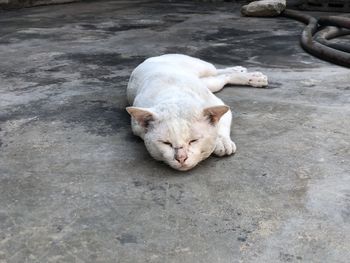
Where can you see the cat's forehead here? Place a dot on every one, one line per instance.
(181, 128)
(178, 126)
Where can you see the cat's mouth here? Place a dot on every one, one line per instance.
(184, 167)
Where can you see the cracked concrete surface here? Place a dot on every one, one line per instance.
(77, 186)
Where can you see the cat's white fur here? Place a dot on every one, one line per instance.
(175, 111)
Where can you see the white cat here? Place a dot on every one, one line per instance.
(175, 111)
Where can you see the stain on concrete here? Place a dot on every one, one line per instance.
(88, 26)
(345, 88)
(283, 52)
(229, 34)
(160, 24)
(97, 117)
(127, 239)
(30, 191)
(103, 59)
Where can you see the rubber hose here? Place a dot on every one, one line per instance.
(313, 47)
(323, 36)
(335, 21)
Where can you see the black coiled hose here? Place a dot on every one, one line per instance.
(316, 35)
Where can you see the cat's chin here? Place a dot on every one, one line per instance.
(183, 168)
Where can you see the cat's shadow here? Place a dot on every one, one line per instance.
(271, 85)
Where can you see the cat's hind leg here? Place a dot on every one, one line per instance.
(234, 77)
(231, 70)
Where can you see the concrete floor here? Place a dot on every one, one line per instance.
(77, 186)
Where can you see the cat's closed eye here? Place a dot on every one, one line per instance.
(193, 141)
(168, 143)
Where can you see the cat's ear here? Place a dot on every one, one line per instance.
(141, 115)
(213, 114)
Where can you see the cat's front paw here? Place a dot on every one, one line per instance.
(224, 146)
(257, 79)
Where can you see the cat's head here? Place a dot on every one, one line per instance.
(181, 140)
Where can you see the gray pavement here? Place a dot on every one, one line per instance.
(77, 186)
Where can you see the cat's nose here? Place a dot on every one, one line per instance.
(180, 155)
(181, 159)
